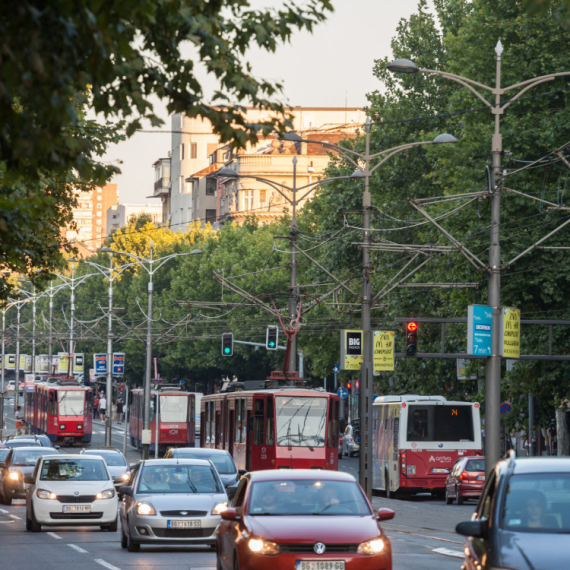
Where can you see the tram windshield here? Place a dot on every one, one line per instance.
(71, 402)
(300, 421)
(173, 409)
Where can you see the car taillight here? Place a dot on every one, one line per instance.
(403, 457)
(479, 453)
(464, 476)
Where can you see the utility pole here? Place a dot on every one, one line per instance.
(109, 388)
(148, 366)
(293, 274)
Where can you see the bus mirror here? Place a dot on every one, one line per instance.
(385, 514)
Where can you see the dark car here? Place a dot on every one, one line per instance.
(466, 480)
(522, 521)
(19, 463)
(222, 460)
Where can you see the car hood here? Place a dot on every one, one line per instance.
(70, 487)
(117, 471)
(23, 469)
(229, 479)
(534, 551)
(181, 501)
(330, 529)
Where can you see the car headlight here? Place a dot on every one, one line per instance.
(43, 494)
(219, 508)
(107, 494)
(260, 546)
(145, 509)
(125, 476)
(371, 547)
(14, 475)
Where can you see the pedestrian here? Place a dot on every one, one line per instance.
(96, 407)
(102, 407)
(119, 411)
(19, 421)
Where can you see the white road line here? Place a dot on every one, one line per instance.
(53, 535)
(106, 564)
(449, 552)
(6, 522)
(3, 511)
(15, 517)
(78, 548)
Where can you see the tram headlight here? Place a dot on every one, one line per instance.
(79, 427)
(43, 494)
(62, 426)
(260, 546)
(371, 547)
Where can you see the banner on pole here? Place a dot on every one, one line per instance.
(118, 363)
(383, 351)
(78, 363)
(510, 332)
(63, 364)
(351, 349)
(100, 364)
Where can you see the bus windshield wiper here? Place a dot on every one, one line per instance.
(289, 446)
(302, 438)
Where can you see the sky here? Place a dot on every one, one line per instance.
(324, 69)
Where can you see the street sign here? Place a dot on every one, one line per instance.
(479, 330)
(100, 364)
(510, 332)
(506, 407)
(118, 363)
(342, 393)
(336, 368)
(351, 349)
(30, 384)
(383, 351)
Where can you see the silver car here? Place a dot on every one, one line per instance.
(116, 464)
(172, 501)
(350, 441)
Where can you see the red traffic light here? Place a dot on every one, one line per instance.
(348, 385)
(412, 326)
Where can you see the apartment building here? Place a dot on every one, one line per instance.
(119, 216)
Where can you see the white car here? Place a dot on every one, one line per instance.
(350, 445)
(71, 490)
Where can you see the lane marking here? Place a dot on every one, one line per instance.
(15, 517)
(449, 552)
(53, 535)
(7, 522)
(106, 564)
(3, 511)
(78, 548)
(423, 535)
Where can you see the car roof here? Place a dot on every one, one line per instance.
(203, 450)
(525, 465)
(76, 456)
(28, 447)
(301, 474)
(179, 461)
(97, 451)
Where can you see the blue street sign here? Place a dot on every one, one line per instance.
(336, 368)
(100, 364)
(479, 330)
(118, 363)
(342, 393)
(506, 407)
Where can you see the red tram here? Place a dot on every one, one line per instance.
(176, 420)
(62, 410)
(283, 428)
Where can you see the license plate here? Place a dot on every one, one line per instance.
(480, 477)
(77, 508)
(319, 565)
(184, 524)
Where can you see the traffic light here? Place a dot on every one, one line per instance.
(227, 344)
(411, 338)
(271, 338)
(349, 386)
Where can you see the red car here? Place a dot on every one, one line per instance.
(302, 519)
(466, 480)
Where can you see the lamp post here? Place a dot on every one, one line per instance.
(153, 266)
(493, 363)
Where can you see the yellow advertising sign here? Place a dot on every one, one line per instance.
(383, 351)
(63, 366)
(511, 332)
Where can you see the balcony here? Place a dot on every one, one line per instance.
(162, 187)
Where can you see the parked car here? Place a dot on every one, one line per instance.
(116, 464)
(351, 441)
(172, 501)
(465, 480)
(271, 524)
(522, 521)
(19, 462)
(222, 460)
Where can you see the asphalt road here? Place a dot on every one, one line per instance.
(422, 535)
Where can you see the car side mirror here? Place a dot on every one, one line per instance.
(230, 515)
(29, 480)
(242, 472)
(132, 466)
(56, 447)
(126, 490)
(386, 514)
(475, 529)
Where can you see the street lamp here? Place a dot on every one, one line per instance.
(367, 368)
(154, 265)
(493, 364)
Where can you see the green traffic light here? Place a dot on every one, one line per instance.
(272, 344)
(227, 350)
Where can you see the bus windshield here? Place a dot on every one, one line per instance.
(71, 402)
(440, 423)
(173, 409)
(300, 421)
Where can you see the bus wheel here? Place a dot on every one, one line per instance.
(389, 494)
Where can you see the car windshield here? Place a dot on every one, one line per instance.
(178, 479)
(222, 461)
(537, 502)
(74, 470)
(30, 456)
(475, 465)
(307, 497)
(173, 409)
(4, 454)
(111, 459)
(22, 443)
(71, 402)
(300, 421)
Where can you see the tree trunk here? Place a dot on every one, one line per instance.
(562, 432)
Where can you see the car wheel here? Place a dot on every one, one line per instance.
(458, 496)
(448, 499)
(7, 500)
(111, 527)
(35, 525)
(389, 493)
(132, 546)
(236, 561)
(123, 538)
(28, 522)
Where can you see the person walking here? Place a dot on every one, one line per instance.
(119, 412)
(102, 407)
(19, 421)
(96, 407)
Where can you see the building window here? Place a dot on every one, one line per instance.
(99, 197)
(182, 152)
(99, 190)
(98, 222)
(99, 206)
(262, 197)
(189, 187)
(193, 150)
(210, 216)
(248, 200)
(210, 186)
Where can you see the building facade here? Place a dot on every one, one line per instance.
(119, 216)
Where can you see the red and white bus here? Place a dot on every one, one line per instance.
(417, 440)
(61, 408)
(176, 419)
(283, 428)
